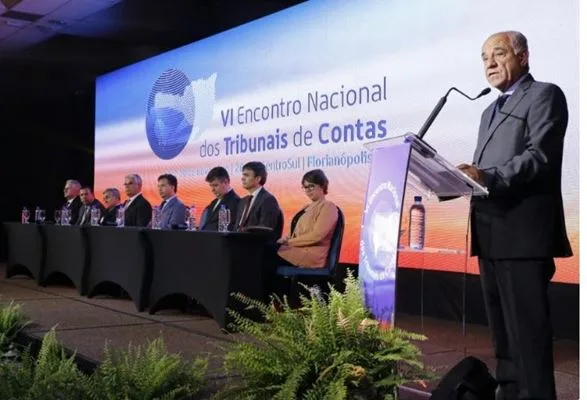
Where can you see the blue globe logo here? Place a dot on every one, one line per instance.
(170, 114)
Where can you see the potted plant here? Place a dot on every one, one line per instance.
(329, 348)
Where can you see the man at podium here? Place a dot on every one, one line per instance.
(519, 227)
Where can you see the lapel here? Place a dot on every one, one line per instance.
(226, 200)
(487, 131)
(256, 205)
(166, 212)
(134, 203)
(213, 212)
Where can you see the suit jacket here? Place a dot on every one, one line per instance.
(265, 211)
(86, 219)
(520, 155)
(310, 241)
(210, 215)
(74, 207)
(138, 213)
(173, 213)
(109, 216)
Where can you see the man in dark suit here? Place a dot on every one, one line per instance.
(173, 211)
(89, 202)
(111, 198)
(259, 208)
(519, 228)
(72, 201)
(219, 182)
(137, 210)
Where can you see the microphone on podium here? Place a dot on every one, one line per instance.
(439, 106)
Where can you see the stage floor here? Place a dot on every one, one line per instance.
(86, 324)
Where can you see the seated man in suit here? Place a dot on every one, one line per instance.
(219, 182)
(259, 208)
(137, 210)
(309, 243)
(172, 210)
(89, 201)
(111, 198)
(72, 201)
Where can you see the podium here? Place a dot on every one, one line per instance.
(397, 163)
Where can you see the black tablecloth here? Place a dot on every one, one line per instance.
(121, 256)
(149, 265)
(207, 266)
(25, 250)
(66, 253)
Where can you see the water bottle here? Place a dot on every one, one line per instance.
(24, 215)
(120, 217)
(191, 218)
(223, 219)
(417, 224)
(65, 216)
(156, 218)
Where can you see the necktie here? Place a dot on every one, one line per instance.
(498, 105)
(245, 211)
(163, 204)
(501, 101)
(85, 215)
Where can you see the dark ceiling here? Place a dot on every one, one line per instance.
(124, 33)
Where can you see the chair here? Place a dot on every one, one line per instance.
(329, 272)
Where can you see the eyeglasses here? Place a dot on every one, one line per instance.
(308, 188)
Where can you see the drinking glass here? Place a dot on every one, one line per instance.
(95, 216)
(65, 217)
(120, 217)
(156, 218)
(190, 218)
(57, 217)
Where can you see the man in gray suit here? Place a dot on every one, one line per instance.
(519, 228)
(173, 211)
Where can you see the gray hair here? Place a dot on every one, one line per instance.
(518, 40)
(73, 182)
(112, 192)
(135, 178)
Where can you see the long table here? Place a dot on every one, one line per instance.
(149, 265)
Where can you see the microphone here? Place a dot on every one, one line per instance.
(439, 106)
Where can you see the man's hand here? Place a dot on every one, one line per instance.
(472, 172)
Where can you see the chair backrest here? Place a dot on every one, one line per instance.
(295, 219)
(336, 243)
(203, 218)
(280, 223)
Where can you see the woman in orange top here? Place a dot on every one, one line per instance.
(309, 243)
